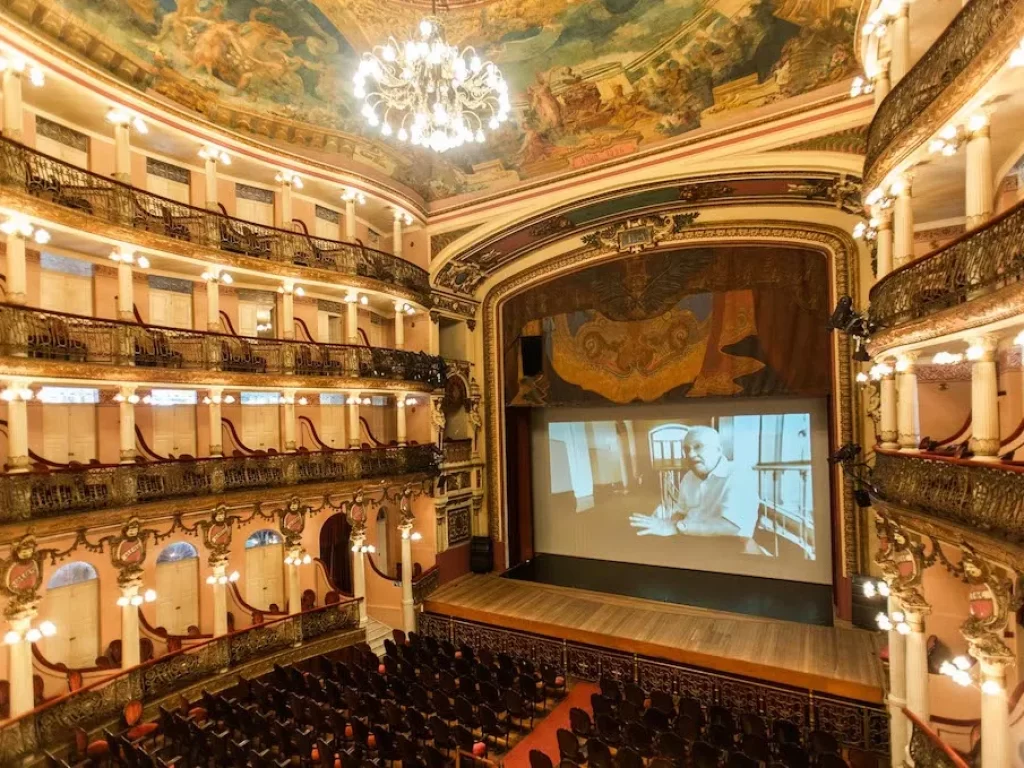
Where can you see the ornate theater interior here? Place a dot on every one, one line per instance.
(511, 383)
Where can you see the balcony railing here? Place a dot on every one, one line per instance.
(986, 498)
(458, 451)
(41, 494)
(967, 37)
(927, 749)
(978, 262)
(40, 334)
(47, 178)
(51, 726)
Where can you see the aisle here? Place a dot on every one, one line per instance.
(543, 736)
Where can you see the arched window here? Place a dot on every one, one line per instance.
(179, 550)
(72, 573)
(263, 538)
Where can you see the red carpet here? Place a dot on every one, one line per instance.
(543, 736)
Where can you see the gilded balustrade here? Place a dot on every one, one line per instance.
(44, 335)
(51, 725)
(44, 494)
(985, 498)
(968, 52)
(25, 170)
(977, 263)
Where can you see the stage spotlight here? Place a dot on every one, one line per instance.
(861, 353)
(848, 320)
(844, 453)
(862, 497)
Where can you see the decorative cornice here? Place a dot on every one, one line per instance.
(851, 141)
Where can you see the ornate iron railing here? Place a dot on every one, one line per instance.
(25, 170)
(40, 334)
(979, 262)
(458, 451)
(927, 749)
(855, 724)
(43, 494)
(987, 498)
(52, 725)
(968, 36)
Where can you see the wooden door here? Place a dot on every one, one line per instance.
(177, 590)
(264, 576)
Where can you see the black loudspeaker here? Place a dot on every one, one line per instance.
(481, 554)
(531, 348)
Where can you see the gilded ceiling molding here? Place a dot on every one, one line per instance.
(970, 52)
(852, 141)
(836, 244)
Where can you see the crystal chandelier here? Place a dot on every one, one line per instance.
(429, 92)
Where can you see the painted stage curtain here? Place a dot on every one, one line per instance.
(737, 321)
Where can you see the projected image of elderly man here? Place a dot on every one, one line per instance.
(715, 497)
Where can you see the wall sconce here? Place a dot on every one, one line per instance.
(291, 289)
(12, 61)
(411, 535)
(351, 194)
(403, 217)
(32, 634)
(215, 153)
(946, 358)
(227, 399)
(880, 371)
(302, 557)
(20, 225)
(125, 255)
(861, 86)
(866, 230)
(404, 306)
(133, 398)
(222, 579)
(897, 621)
(364, 549)
(122, 116)
(149, 596)
(352, 298)
(217, 276)
(290, 178)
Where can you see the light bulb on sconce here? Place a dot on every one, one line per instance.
(215, 153)
(290, 178)
(125, 117)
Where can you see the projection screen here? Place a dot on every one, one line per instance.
(734, 486)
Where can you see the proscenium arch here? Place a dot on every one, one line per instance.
(835, 244)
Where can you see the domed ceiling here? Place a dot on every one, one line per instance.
(591, 80)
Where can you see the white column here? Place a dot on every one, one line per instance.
(17, 428)
(291, 572)
(881, 81)
(883, 241)
(887, 426)
(13, 108)
(352, 318)
(122, 152)
(434, 334)
(899, 42)
(220, 596)
(287, 180)
(358, 539)
(125, 292)
(995, 717)
(213, 411)
(17, 274)
(979, 192)
(210, 183)
(126, 411)
(20, 660)
(908, 417)
(399, 325)
(213, 305)
(903, 225)
(400, 404)
(288, 312)
(129, 625)
(353, 420)
(917, 664)
(288, 414)
(408, 609)
(984, 398)
(350, 220)
(899, 733)
(396, 232)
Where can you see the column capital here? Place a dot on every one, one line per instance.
(982, 348)
(906, 361)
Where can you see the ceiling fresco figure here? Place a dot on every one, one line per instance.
(591, 80)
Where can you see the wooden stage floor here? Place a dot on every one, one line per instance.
(834, 660)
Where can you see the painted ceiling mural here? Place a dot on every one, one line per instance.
(591, 80)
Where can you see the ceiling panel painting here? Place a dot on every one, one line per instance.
(591, 80)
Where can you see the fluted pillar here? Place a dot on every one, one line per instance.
(917, 663)
(883, 243)
(396, 232)
(888, 433)
(210, 183)
(984, 398)
(908, 417)
(350, 220)
(219, 585)
(352, 318)
(902, 224)
(399, 325)
(434, 334)
(213, 302)
(19, 657)
(13, 106)
(408, 609)
(213, 411)
(17, 269)
(358, 540)
(881, 81)
(130, 623)
(17, 426)
(122, 152)
(285, 198)
(400, 418)
(353, 420)
(293, 583)
(899, 43)
(979, 193)
(288, 416)
(288, 312)
(995, 716)
(127, 399)
(125, 291)
(899, 731)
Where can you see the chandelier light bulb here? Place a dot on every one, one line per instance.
(962, 663)
(150, 595)
(215, 153)
(33, 635)
(122, 601)
(233, 577)
(211, 580)
(48, 628)
(869, 589)
(12, 637)
(991, 688)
